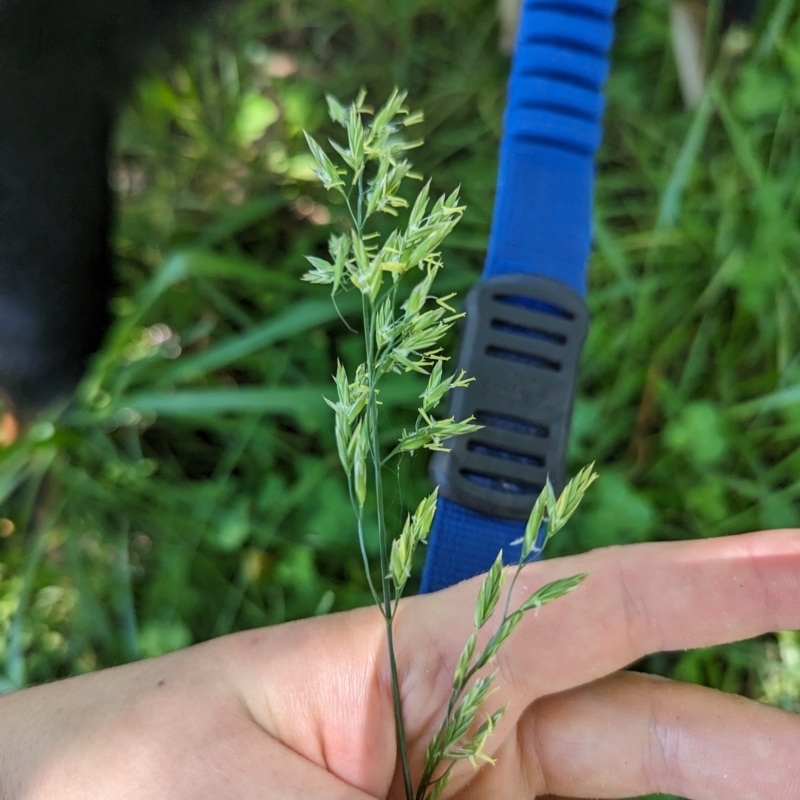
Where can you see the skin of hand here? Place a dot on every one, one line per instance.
(304, 710)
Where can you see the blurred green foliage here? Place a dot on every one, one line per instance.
(192, 489)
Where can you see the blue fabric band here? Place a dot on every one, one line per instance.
(542, 216)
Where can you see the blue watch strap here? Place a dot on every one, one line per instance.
(542, 217)
(541, 229)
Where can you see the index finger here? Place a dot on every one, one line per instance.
(637, 600)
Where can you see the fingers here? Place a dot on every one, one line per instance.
(632, 734)
(322, 686)
(637, 600)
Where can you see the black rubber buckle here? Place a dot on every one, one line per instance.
(522, 342)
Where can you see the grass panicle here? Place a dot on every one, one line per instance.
(406, 336)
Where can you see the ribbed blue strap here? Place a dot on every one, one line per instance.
(542, 215)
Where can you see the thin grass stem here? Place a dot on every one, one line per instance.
(363, 545)
(126, 609)
(372, 420)
(398, 715)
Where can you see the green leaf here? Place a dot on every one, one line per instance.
(232, 529)
(14, 469)
(672, 196)
(699, 433)
(157, 638)
(302, 317)
(616, 513)
(256, 114)
(293, 401)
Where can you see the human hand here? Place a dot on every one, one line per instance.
(304, 710)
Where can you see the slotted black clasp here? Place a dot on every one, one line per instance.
(522, 342)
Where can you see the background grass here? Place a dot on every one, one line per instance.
(192, 489)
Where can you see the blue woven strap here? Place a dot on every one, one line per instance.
(542, 215)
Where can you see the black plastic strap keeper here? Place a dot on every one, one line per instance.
(522, 342)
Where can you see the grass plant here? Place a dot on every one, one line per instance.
(403, 333)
